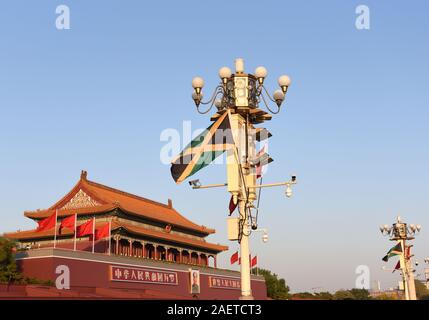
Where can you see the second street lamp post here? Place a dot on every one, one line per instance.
(427, 273)
(401, 232)
(240, 95)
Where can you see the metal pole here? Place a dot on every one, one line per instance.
(217, 185)
(247, 183)
(274, 184)
(427, 278)
(410, 275)
(246, 290)
(93, 234)
(110, 236)
(75, 229)
(55, 229)
(404, 270)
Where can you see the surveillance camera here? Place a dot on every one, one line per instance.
(417, 263)
(254, 226)
(195, 183)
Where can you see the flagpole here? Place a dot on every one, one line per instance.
(55, 229)
(110, 236)
(75, 230)
(93, 234)
(404, 270)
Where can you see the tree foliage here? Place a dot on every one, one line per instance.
(387, 296)
(360, 294)
(276, 288)
(421, 291)
(8, 270)
(343, 295)
(324, 295)
(353, 294)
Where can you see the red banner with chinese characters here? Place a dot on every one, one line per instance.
(224, 283)
(143, 275)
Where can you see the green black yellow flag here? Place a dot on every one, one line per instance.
(206, 147)
(396, 250)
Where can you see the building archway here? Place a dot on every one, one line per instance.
(150, 251)
(124, 247)
(113, 249)
(161, 253)
(211, 263)
(194, 258)
(137, 249)
(204, 261)
(173, 255)
(185, 256)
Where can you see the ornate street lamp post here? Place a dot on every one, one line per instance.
(401, 232)
(241, 94)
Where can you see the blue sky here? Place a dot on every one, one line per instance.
(354, 126)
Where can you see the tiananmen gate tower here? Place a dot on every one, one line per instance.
(151, 251)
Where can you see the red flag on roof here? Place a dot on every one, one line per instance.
(234, 257)
(85, 229)
(68, 222)
(47, 223)
(102, 232)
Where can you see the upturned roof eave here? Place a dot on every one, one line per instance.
(88, 187)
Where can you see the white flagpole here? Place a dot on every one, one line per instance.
(257, 271)
(110, 236)
(75, 230)
(55, 229)
(93, 234)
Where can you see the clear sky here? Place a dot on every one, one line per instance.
(354, 127)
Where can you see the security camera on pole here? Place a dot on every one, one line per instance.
(238, 96)
(401, 232)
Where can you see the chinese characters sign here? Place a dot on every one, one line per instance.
(224, 283)
(144, 275)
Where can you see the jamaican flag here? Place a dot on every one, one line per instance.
(396, 250)
(206, 147)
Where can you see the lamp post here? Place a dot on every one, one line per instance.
(401, 232)
(427, 272)
(241, 94)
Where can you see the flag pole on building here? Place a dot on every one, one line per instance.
(110, 236)
(75, 230)
(55, 229)
(93, 234)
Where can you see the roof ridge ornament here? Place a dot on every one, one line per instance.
(80, 200)
(83, 175)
